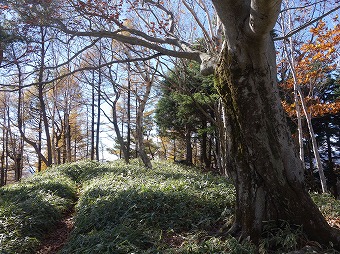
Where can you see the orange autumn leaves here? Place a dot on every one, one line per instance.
(315, 61)
(316, 108)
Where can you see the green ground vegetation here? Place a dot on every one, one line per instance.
(130, 209)
(30, 209)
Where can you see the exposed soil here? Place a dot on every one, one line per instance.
(57, 238)
(173, 240)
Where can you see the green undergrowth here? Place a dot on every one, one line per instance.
(30, 209)
(169, 209)
(327, 204)
(130, 209)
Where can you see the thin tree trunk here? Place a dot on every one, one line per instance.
(53, 131)
(98, 114)
(332, 175)
(136, 138)
(310, 157)
(291, 62)
(139, 129)
(140, 107)
(204, 147)
(7, 152)
(314, 143)
(128, 135)
(165, 156)
(39, 167)
(297, 93)
(4, 128)
(175, 149)
(1, 52)
(65, 137)
(329, 146)
(188, 157)
(18, 168)
(300, 131)
(92, 119)
(69, 141)
(2, 172)
(87, 133)
(42, 101)
(123, 147)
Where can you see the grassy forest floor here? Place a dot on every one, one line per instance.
(89, 207)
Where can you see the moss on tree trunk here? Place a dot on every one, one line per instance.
(257, 150)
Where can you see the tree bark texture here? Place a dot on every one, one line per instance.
(123, 146)
(188, 147)
(140, 138)
(92, 119)
(98, 116)
(256, 146)
(140, 120)
(42, 103)
(3, 170)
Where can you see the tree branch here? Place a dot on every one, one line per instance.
(15, 87)
(263, 16)
(199, 23)
(145, 41)
(298, 29)
(75, 55)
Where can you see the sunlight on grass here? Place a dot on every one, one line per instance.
(28, 210)
(170, 208)
(130, 209)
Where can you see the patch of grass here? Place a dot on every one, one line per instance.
(128, 208)
(282, 237)
(328, 205)
(31, 208)
(77, 171)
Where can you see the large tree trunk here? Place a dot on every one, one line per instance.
(256, 145)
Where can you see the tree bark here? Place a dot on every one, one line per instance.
(98, 117)
(92, 119)
(257, 149)
(98, 107)
(128, 135)
(123, 147)
(1, 54)
(39, 146)
(139, 127)
(53, 130)
(4, 137)
(204, 147)
(41, 98)
(314, 143)
(188, 147)
(140, 107)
